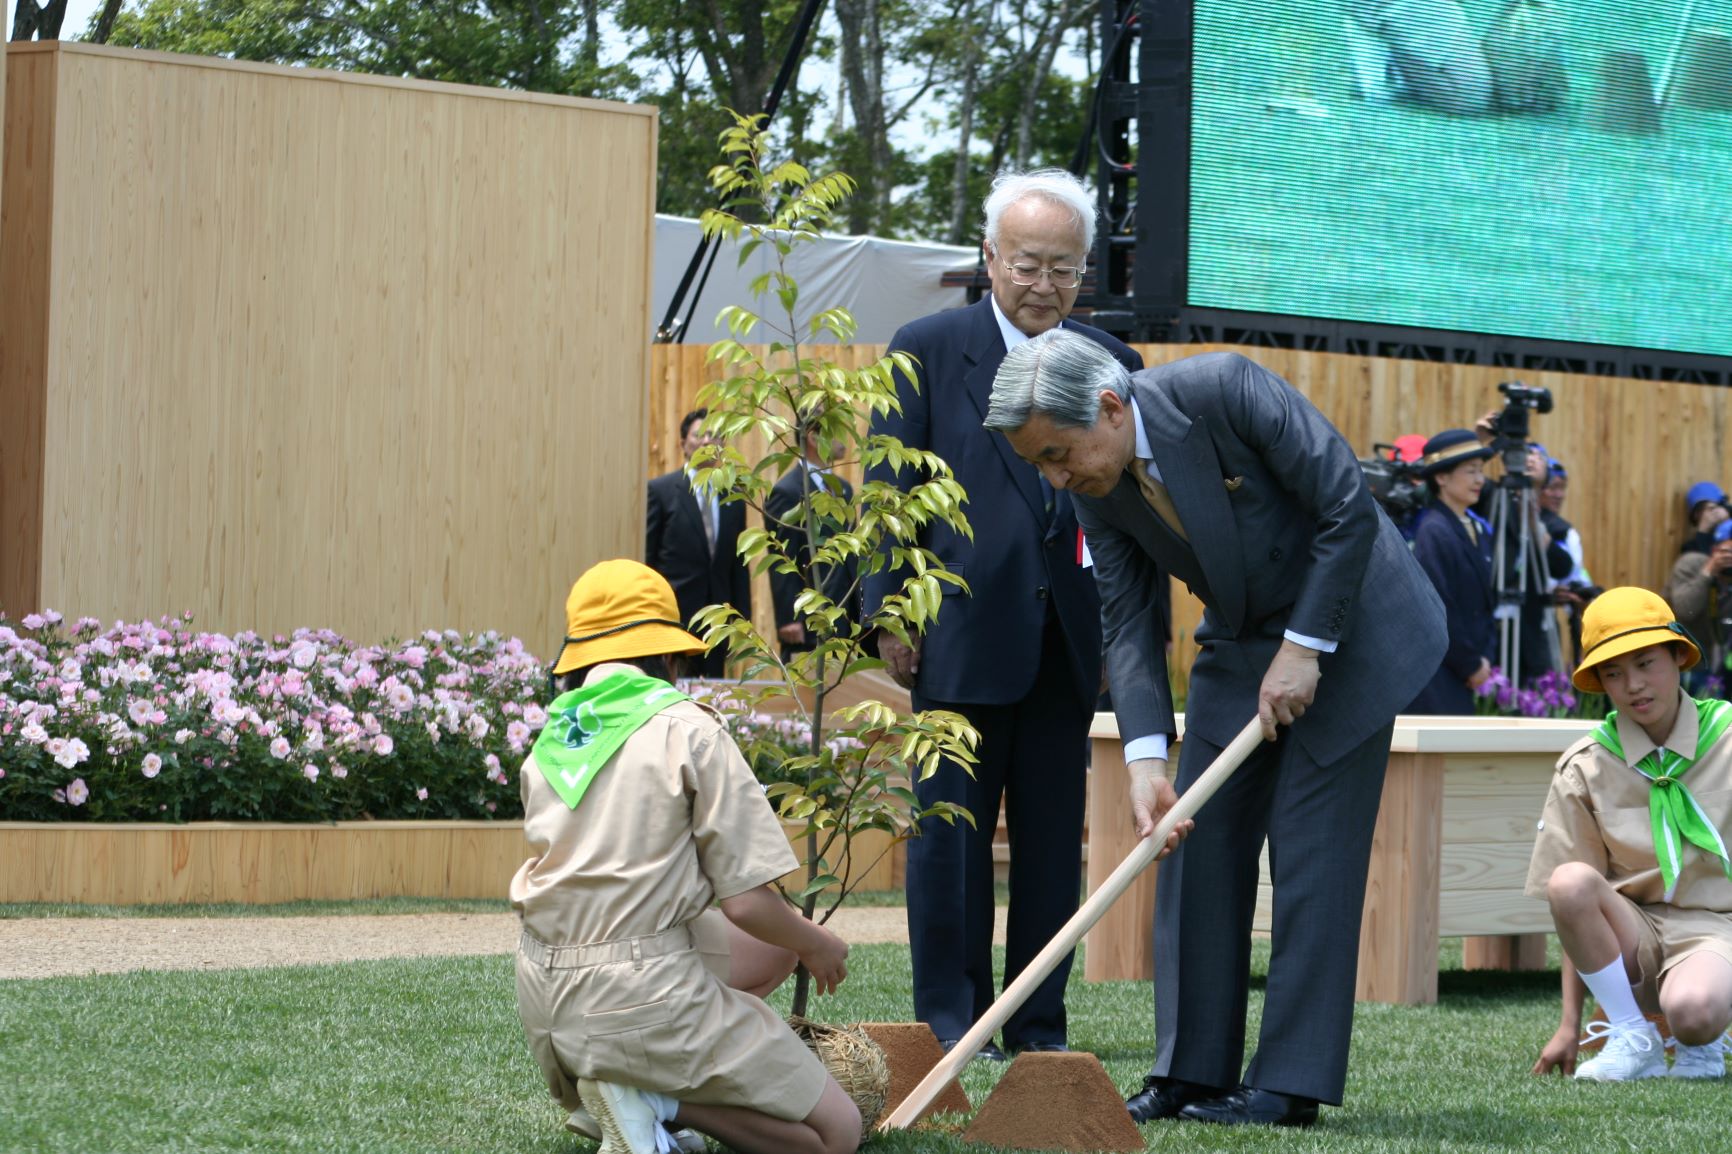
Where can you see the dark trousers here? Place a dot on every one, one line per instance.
(1318, 821)
(1032, 756)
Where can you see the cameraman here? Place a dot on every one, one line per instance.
(1577, 589)
(1452, 544)
(1538, 623)
(1700, 593)
(1705, 505)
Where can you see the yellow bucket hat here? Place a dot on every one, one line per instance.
(618, 610)
(1621, 621)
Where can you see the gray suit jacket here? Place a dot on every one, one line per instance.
(1283, 535)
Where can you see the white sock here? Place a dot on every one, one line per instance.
(1611, 989)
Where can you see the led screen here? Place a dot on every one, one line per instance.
(1557, 169)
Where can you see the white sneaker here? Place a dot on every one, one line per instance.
(581, 1123)
(1705, 1061)
(628, 1122)
(1631, 1052)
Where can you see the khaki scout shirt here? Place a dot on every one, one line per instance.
(1597, 813)
(674, 821)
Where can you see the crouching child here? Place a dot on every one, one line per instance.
(640, 1001)
(1632, 858)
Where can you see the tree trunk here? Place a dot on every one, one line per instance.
(961, 204)
(105, 22)
(1055, 25)
(863, 70)
(591, 33)
(31, 21)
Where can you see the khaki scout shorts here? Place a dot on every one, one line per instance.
(1668, 936)
(668, 1023)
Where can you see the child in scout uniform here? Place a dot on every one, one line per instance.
(640, 1002)
(1631, 853)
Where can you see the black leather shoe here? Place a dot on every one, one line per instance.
(1249, 1106)
(989, 1052)
(1164, 1098)
(1043, 1048)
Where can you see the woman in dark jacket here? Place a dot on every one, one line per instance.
(1453, 544)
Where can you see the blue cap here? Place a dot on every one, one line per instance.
(1722, 531)
(1555, 468)
(1702, 491)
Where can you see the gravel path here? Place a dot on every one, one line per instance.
(56, 947)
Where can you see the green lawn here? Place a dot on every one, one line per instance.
(426, 1055)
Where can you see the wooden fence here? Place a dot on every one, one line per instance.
(1632, 447)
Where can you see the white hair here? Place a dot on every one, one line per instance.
(1053, 185)
(1059, 374)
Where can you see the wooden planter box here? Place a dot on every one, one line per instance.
(256, 862)
(263, 862)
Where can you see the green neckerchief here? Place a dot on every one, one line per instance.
(1673, 810)
(587, 726)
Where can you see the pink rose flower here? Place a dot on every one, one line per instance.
(152, 765)
(338, 771)
(421, 793)
(280, 748)
(383, 745)
(311, 772)
(77, 793)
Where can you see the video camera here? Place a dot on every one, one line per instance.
(1512, 426)
(1395, 484)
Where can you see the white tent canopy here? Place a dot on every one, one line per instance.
(884, 283)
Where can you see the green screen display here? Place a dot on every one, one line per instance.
(1558, 170)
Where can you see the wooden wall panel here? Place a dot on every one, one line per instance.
(26, 219)
(340, 351)
(1632, 447)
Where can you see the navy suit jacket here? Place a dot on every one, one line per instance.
(675, 547)
(1461, 571)
(1023, 562)
(1283, 534)
(783, 503)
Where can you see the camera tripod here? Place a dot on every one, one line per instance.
(1515, 497)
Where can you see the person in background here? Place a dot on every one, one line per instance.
(690, 538)
(781, 517)
(1018, 654)
(1705, 506)
(1576, 589)
(1452, 543)
(1699, 589)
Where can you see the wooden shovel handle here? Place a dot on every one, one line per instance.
(1084, 919)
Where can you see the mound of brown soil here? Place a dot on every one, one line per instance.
(1049, 1101)
(912, 1051)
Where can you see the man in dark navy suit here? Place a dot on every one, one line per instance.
(1019, 654)
(784, 517)
(690, 539)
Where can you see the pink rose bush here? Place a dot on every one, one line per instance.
(159, 722)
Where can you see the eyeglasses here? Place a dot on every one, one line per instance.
(1063, 277)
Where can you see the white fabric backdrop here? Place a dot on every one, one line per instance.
(884, 283)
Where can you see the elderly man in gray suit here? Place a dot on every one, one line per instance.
(1221, 473)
